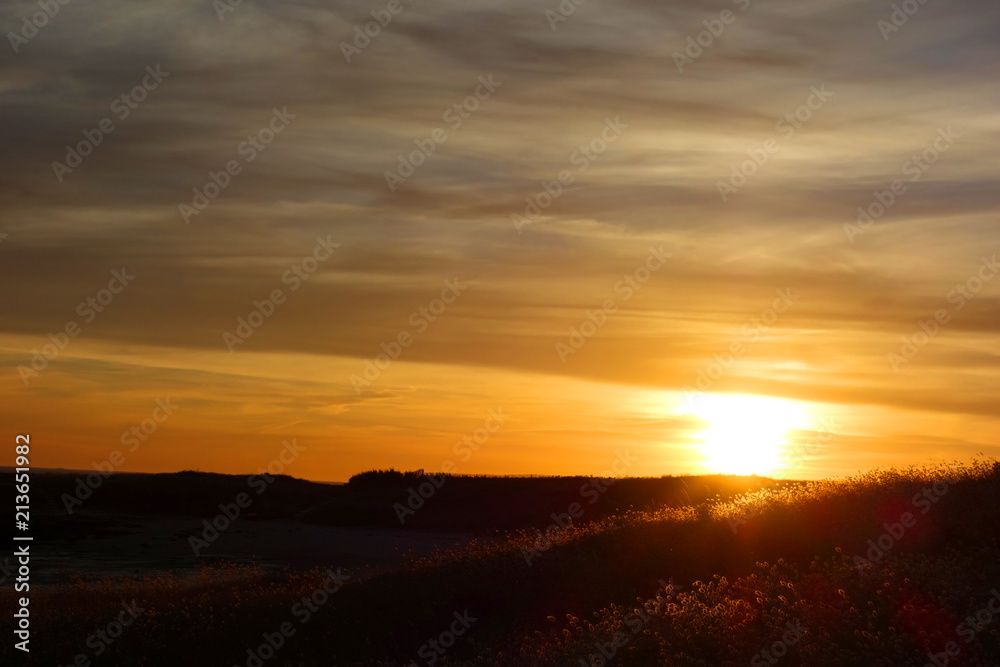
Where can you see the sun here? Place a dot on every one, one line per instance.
(745, 434)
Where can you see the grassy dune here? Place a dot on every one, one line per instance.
(787, 570)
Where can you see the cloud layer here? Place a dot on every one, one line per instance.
(891, 95)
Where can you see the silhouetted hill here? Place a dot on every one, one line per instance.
(430, 502)
(881, 570)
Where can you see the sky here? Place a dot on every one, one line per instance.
(577, 233)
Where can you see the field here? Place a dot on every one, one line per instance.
(890, 568)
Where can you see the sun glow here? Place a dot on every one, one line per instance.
(745, 434)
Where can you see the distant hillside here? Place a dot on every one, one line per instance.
(386, 499)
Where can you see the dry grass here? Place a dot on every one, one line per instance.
(790, 559)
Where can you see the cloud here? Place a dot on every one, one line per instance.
(657, 184)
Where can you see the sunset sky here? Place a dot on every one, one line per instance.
(680, 262)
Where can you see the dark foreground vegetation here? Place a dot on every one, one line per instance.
(886, 569)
